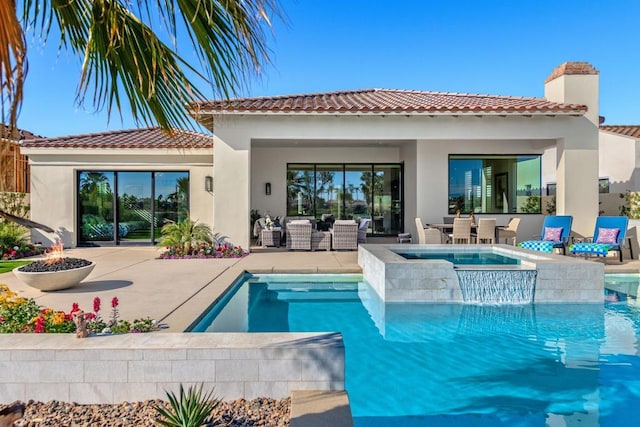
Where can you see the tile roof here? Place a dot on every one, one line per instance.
(130, 138)
(572, 68)
(626, 130)
(390, 101)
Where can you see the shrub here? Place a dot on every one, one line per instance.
(190, 409)
(185, 235)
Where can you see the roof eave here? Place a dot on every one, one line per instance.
(389, 113)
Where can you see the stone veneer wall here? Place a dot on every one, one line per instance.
(134, 367)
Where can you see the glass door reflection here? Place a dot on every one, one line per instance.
(134, 206)
(96, 213)
(171, 202)
(387, 199)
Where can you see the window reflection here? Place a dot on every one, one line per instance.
(347, 191)
(495, 184)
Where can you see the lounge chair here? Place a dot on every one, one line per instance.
(555, 235)
(344, 235)
(609, 235)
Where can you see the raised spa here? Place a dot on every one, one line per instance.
(478, 274)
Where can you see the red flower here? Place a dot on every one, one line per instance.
(114, 302)
(74, 307)
(90, 316)
(40, 325)
(96, 304)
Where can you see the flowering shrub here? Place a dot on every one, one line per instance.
(189, 239)
(22, 315)
(14, 243)
(204, 250)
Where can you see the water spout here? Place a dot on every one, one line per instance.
(497, 286)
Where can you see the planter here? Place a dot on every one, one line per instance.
(54, 280)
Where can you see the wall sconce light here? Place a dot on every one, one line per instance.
(267, 189)
(208, 184)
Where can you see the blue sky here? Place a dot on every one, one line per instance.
(492, 47)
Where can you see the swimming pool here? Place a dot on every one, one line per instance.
(462, 258)
(455, 364)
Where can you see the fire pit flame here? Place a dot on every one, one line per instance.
(55, 255)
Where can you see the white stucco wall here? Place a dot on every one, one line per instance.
(435, 138)
(54, 176)
(619, 160)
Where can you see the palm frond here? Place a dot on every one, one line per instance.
(26, 222)
(13, 65)
(124, 60)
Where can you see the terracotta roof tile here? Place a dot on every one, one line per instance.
(572, 68)
(390, 101)
(131, 138)
(626, 130)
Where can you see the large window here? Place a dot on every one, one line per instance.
(129, 206)
(348, 191)
(494, 184)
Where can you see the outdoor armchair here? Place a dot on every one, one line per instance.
(344, 235)
(299, 235)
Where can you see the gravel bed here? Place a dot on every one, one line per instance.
(257, 412)
(61, 265)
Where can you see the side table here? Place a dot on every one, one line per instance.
(270, 238)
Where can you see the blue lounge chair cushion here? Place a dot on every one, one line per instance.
(600, 249)
(540, 245)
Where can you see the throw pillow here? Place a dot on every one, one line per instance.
(552, 234)
(608, 235)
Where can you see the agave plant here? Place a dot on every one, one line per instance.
(185, 234)
(189, 409)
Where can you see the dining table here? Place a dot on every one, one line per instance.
(447, 228)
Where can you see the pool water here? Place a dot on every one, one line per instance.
(455, 364)
(462, 258)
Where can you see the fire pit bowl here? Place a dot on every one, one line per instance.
(63, 274)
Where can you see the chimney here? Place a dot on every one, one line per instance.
(575, 83)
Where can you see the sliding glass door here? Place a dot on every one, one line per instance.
(129, 207)
(348, 191)
(134, 206)
(96, 206)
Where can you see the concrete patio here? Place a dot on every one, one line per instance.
(157, 288)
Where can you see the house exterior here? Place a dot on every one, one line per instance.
(394, 155)
(118, 187)
(387, 155)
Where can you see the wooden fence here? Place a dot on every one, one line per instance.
(14, 169)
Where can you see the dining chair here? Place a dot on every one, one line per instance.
(422, 239)
(510, 232)
(461, 231)
(486, 231)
